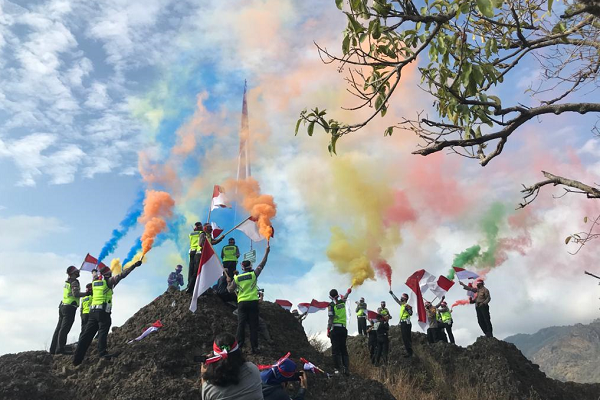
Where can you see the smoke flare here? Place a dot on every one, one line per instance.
(158, 206)
(385, 270)
(260, 206)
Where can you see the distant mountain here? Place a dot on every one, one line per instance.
(566, 353)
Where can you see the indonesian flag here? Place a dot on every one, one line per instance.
(313, 306)
(90, 263)
(153, 328)
(441, 286)
(413, 282)
(285, 304)
(216, 230)
(462, 273)
(372, 315)
(219, 200)
(250, 228)
(426, 281)
(209, 271)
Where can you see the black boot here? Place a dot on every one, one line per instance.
(346, 363)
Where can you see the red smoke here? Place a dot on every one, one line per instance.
(384, 269)
(462, 302)
(401, 211)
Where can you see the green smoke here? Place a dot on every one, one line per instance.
(465, 258)
(490, 226)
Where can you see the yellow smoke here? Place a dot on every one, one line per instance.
(115, 266)
(362, 198)
(134, 259)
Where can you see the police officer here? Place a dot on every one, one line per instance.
(194, 248)
(446, 316)
(384, 311)
(66, 311)
(336, 330)
(99, 320)
(205, 232)
(361, 315)
(405, 325)
(247, 298)
(86, 302)
(230, 255)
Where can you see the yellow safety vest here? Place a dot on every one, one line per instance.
(195, 241)
(361, 312)
(446, 316)
(101, 296)
(404, 315)
(247, 289)
(339, 310)
(68, 297)
(86, 302)
(230, 253)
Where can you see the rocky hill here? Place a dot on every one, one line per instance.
(489, 369)
(567, 353)
(162, 366)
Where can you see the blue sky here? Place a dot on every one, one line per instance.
(85, 87)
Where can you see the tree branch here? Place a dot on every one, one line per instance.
(531, 192)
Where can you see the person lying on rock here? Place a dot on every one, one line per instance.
(276, 379)
(226, 375)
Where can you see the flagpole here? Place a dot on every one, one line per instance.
(234, 228)
(209, 210)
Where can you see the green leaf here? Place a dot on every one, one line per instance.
(334, 139)
(585, 219)
(339, 3)
(346, 44)
(550, 5)
(311, 128)
(376, 30)
(297, 126)
(496, 100)
(568, 239)
(486, 7)
(354, 24)
(389, 131)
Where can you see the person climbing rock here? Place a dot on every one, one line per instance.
(405, 325)
(175, 280)
(66, 311)
(247, 298)
(101, 307)
(337, 332)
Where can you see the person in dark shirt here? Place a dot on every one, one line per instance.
(276, 379)
(382, 327)
(372, 333)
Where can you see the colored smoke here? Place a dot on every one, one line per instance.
(158, 206)
(115, 266)
(135, 249)
(467, 257)
(260, 206)
(384, 270)
(462, 302)
(348, 257)
(124, 226)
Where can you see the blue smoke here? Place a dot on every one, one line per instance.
(127, 223)
(137, 246)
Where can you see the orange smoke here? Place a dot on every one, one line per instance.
(157, 206)
(260, 206)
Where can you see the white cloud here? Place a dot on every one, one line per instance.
(20, 231)
(98, 97)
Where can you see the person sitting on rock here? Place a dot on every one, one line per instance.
(275, 380)
(175, 280)
(227, 375)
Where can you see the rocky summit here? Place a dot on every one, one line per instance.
(161, 366)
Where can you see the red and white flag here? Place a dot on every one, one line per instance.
(441, 286)
(313, 306)
(90, 263)
(216, 230)
(413, 282)
(209, 271)
(462, 273)
(219, 200)
(372, 315)
(250, 228)
(426, 281)
(285, 304)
